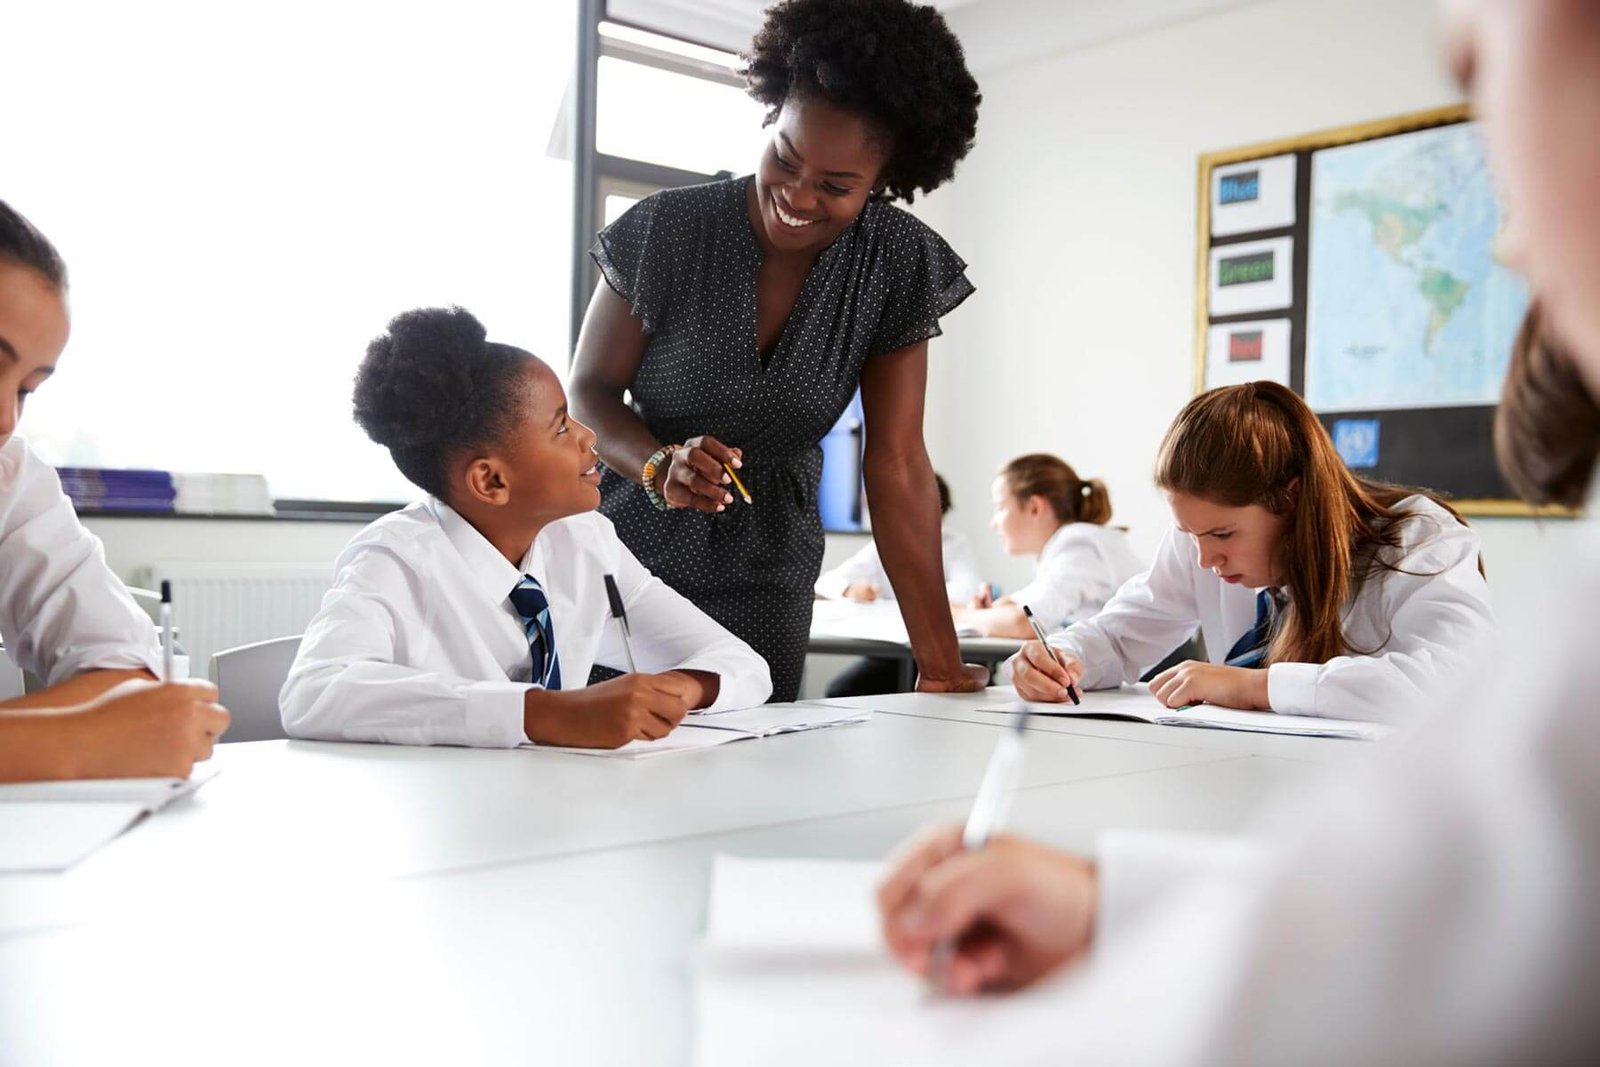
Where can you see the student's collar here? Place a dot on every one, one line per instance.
(493, 576)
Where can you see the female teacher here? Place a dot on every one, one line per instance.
(742, 315)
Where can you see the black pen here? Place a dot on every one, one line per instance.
(620, 613)
(1038, 631)
(166, 630)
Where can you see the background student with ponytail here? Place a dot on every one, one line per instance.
(1043, 509)
(1356, 597)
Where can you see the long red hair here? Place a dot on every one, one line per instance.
(1259, 443)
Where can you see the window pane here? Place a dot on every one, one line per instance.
(643, 113)
(244, 198)
(616, 204)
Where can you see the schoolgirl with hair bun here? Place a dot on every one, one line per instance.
(1043, 509)
(474, 616)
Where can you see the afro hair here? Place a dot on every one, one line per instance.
(434, 386)
(894, 63)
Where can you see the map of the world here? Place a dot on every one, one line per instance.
(1407, 304)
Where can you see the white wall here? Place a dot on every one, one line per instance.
(1077, 214)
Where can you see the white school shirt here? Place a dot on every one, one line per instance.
(1436, 906)
(1079, 569)
(62, 611)
(417, 642)
(960, 575)
(1427, 624)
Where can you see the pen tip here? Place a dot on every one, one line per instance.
(166, 591)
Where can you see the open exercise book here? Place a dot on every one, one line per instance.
(709, 729)
(1135, 702)
(49, 826)
(793, 970)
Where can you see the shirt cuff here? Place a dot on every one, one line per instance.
(495, 714)
(1292, 688)
(1136, 868)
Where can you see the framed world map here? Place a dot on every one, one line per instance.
(1358, 267)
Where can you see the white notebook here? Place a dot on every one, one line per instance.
(719, 728)
(1135, 702)
(49, 826)
(793, 970)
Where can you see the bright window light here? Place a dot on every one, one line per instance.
(656, 42)
(676, 120)
(245, 195)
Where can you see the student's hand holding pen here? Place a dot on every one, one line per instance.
(144, 729)
(634, 707)
(1044, 675)
(699, 475)
(1012, 911)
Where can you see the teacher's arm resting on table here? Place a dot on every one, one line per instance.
(899, 479)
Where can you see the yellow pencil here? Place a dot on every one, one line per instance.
(737, 484)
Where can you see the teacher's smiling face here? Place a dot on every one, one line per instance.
(816, 173)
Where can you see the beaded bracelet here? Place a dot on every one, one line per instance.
(647, 476)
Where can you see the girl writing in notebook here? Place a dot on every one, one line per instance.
(1317, 592)
(64, 615)
(474, 617)
(1043, 509)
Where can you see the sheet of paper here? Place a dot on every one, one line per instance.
(677, 742)
(52, 835)
(793, 971)
(861, 622)
(152, 794)
(1130, 702)
(1135, 702)
(1270, 723)
(778, 719)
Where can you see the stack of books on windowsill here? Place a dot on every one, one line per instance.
(223, 494)
(94, 489)
(163, 493)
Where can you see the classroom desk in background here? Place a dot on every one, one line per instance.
(841, 628)
(333, 902)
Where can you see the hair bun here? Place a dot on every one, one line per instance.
(416, 385)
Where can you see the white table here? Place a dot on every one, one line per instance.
(322, 902)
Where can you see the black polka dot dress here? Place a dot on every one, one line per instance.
(687, 259)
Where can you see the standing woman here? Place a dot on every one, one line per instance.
(741, 316)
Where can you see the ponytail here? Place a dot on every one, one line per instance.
(1071, 498)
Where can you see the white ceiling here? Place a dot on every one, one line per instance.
(995, 33)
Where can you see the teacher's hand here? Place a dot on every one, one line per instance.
(974, 678)
(695, 478)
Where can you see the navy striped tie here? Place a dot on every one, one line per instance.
(534, 608)
(1251, 649)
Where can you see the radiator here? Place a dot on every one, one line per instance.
(216, 606)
